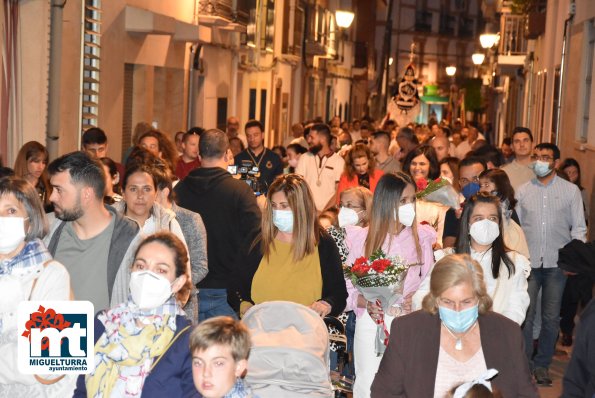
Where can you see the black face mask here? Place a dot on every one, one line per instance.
(315, 149)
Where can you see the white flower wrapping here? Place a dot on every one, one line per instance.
(445, 195)
(387, 296)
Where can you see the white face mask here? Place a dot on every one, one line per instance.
(348, 216)
(484, 232)
(293, 162)
(149, 290)
(12, 233)
(283, 220)
(407, 214)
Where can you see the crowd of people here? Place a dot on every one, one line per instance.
(191, 233)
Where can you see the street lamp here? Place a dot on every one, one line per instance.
(478, 58)
(487, 40)
(451, 70)
(344, 18)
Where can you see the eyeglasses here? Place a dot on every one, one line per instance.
(544, 158)
(465, 181)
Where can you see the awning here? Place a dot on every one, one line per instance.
(434, 99)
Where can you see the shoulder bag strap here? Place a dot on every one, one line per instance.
(169, 345)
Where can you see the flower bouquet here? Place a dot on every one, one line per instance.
(438, 190)
(379, 279)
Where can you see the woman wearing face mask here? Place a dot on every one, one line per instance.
(497, 183)
(27, 272)
(505, 271)
(453, 339)
(294, 151)
(141, 346)
(293, 259)
(360, 170)
(355, 206)
(394, 229)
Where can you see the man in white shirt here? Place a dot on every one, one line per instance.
(297, 137)
(519, 171)
(467, 146)
(321, 167)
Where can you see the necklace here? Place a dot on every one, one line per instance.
(321, 169)
(459, 340)
(257, 164)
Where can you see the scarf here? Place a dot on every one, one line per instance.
(125, 351)
(28, 260)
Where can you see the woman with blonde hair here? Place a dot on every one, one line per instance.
(456, 337)
(360, 170)
(31, 164)
(141, 346)
(293, 259)
(393, 228)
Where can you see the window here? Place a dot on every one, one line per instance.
(91, 64)
(252, 104)
(222, 113)
(423, 21)
(587, 81)
(263, 106)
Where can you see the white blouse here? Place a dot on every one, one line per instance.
(451, 373)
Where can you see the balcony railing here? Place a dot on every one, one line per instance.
(512, 35)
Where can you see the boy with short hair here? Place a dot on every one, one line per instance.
(220, 347)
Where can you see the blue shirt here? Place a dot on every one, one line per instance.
(551, 216)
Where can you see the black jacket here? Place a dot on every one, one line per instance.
(334, 290)
(231, 216)
(579, 379)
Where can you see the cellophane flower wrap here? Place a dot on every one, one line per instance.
(379, 279)
(439, 190)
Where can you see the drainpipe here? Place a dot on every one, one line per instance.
(53, 117)
(194, 62)
(571, 12)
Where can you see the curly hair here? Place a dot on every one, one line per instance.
(356, 152)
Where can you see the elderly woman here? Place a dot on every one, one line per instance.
(360, 170)
(294, 259)
(141, 346)
(27, 272)
(455, 338)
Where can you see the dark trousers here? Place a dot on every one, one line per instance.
(578, 289)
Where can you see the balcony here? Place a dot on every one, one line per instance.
(321, 33)
(513, 44)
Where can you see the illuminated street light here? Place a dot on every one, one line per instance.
(478, 58)
(390, 61)
(451, 70)
(488, 40)
(344, 18)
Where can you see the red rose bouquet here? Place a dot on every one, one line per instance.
(379, 279)
(438, 190)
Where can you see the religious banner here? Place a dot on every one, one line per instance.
(404, 106)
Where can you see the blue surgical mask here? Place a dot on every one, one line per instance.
(459, 321)
(470, 189)
(541, 168)
(283, 219)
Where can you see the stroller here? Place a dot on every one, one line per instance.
(290, 351)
